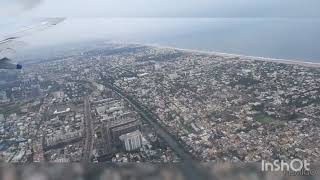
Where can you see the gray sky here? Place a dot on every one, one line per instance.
(161, 8)
(107, 19)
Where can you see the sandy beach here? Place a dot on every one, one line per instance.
(243, 57)
(230, 55)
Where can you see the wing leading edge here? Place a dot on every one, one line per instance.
(9, 40)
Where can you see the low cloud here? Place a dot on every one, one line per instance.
(10, 7)
(27, 4)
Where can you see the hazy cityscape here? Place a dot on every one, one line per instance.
(159, 89)
(135, 103)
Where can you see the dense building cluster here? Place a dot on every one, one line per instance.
(218, 107)
(230, 108)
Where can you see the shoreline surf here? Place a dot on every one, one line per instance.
(245, 57)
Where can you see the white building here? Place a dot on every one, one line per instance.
(61, 112)
(2, 119)
(132, 140)
(3, 96)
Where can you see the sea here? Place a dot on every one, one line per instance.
(282, 38)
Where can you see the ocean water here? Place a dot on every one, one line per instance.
(283, 38)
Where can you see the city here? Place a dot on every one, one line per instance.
(137, 103)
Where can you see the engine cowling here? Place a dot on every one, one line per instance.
(6, 63)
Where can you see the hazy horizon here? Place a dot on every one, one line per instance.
(160, 8)
(270, 28)
(281, 38)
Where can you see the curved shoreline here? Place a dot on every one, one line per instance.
(245, 57)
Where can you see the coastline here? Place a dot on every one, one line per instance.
(243, 57)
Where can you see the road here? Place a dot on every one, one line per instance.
(88, 146)
(190, 166)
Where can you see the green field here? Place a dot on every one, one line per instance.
(263, 118)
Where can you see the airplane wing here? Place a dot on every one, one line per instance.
(6, 63)
(11, 41)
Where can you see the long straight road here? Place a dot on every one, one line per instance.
(150, 119)
(191, 168)
(88, 146)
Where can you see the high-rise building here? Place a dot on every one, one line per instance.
(108, 134)
(104, 143)
(3, 96)
(116, 130)
(35, 90)
(132, 140)
(116, 120)
(2, 119)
